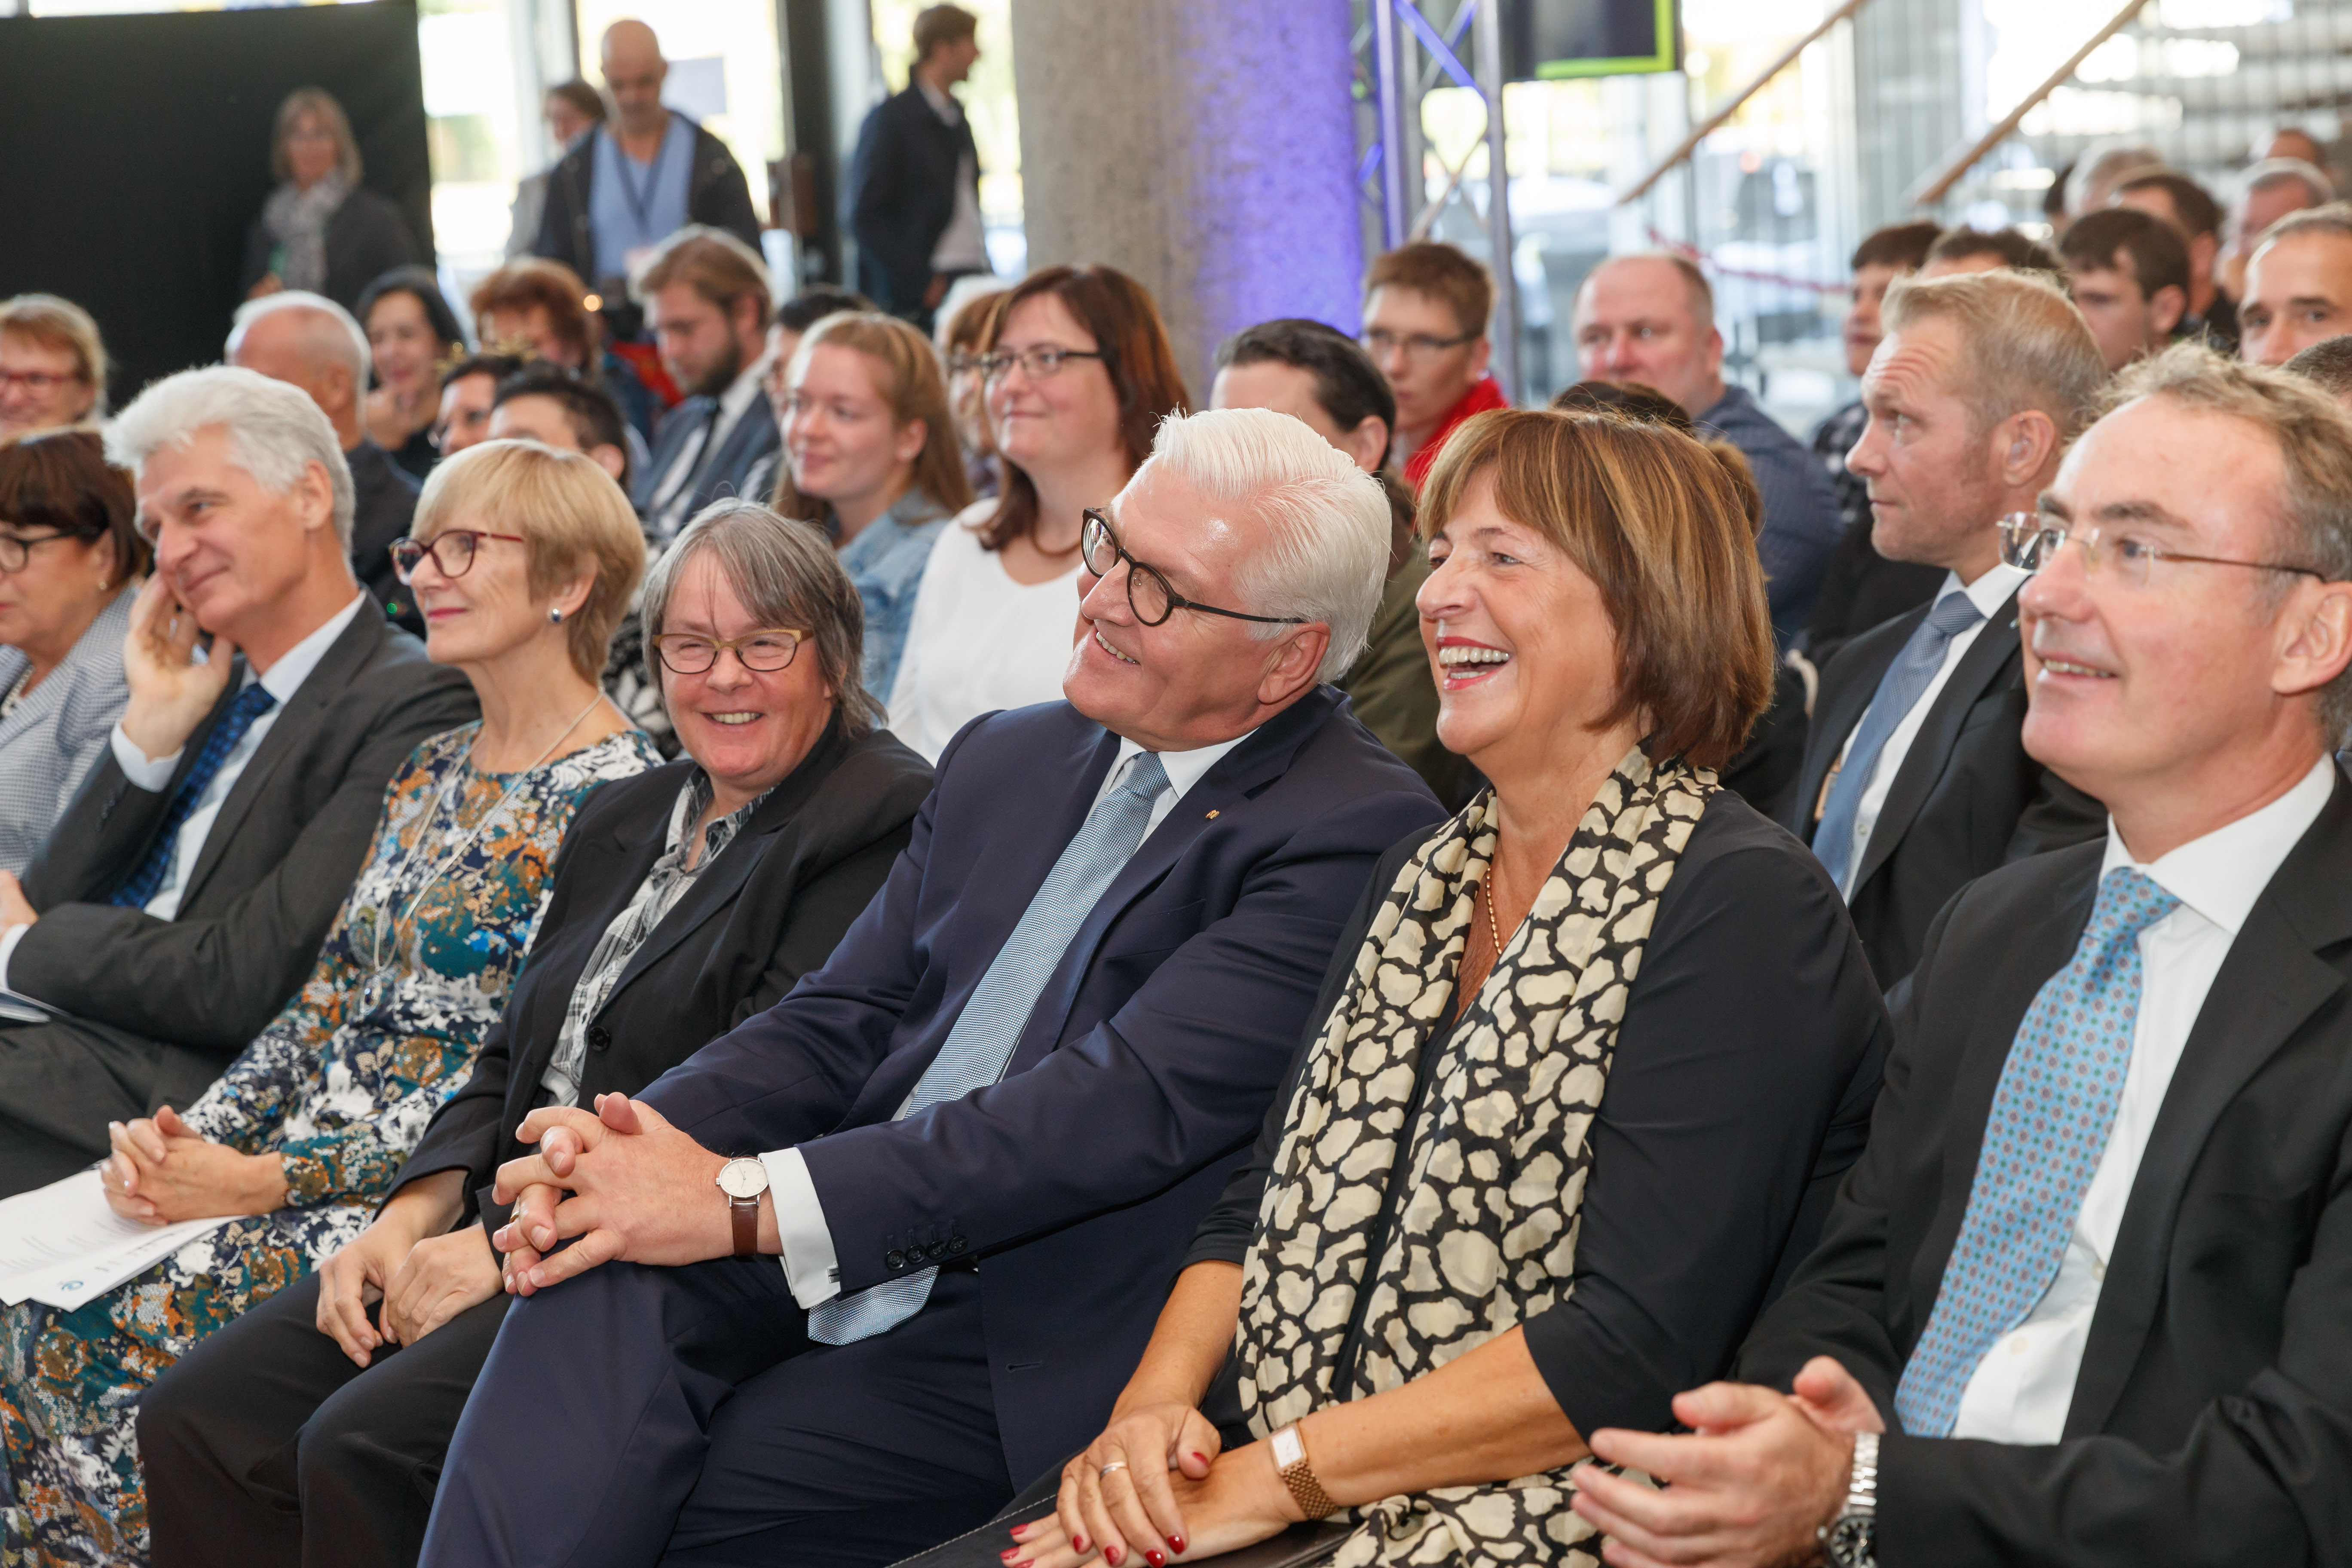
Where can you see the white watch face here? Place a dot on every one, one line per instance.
(1288, 1448)
(743, 1180)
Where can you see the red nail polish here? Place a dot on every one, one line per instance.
(1176, 1544)
(1078, 1543)
(1007, 1554)
(1111, 1555)
(1157, 1559)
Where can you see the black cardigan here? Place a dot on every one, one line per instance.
(366, 237)
(1746, 1065)
(768, 910)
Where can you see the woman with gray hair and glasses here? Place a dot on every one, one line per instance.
(686, 900)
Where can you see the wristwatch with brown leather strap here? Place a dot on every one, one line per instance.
(743, 1181)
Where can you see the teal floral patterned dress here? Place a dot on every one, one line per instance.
(340, 1086)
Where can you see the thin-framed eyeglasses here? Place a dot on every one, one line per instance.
(2029, 540)
(17, 551)
(452, 550)
(1147, 592)
(1380, 341)
(762, 652)
(1039, 362)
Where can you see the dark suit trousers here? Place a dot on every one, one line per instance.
(63, 1080)
(682, 1416)
(268, 1416)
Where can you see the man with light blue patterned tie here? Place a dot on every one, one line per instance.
(971, 1151)
(1914, 780)
(183, 894)
(2084, 1299)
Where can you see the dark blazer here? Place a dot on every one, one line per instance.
(1141, 1075)
(1747, 1062)
(367, 236)
(281, 855)
(901, 195)
(385, 502)
(716, 194)
(768, 910)
(727, 472)
(2211, 1420)
(1966, 799)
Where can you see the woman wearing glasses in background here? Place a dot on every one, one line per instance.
(520, 558)
(70, 562)
(689, 899)
(1078, 375)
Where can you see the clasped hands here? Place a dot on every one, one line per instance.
(161, 1174)
(1748, 1487)
(640, 1191)
(1167, 1482)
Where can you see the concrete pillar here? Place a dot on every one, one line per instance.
(1205, 147)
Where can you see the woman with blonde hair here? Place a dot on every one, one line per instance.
(1589, 1063)
(521, 558)
(870, 458)
(321, 229)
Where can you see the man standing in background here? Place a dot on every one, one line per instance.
(914, 183)
(641, 176)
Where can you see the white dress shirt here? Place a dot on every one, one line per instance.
(2024, 1385)
(1989, 593)
(676, 490)
(964, 244)
(153, 775)
(812, 1265)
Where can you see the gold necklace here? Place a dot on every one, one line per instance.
(1494, 927)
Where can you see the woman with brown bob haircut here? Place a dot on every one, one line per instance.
(1077, 374)
(1590, 1060)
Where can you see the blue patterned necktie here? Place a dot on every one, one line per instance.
(2047, 1132)
(982, 1042)
(251, 703)
(1914, 668)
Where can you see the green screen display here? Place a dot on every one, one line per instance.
(1551, 39)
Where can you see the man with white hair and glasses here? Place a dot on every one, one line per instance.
(308, 340)
(2083, 1300)
(182, 896)
(971, 1149)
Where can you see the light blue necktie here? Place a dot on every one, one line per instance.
(982, 1042)
(2047, 1132)
(1914, 668)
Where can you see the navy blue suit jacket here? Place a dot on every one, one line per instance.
(1141, 1077)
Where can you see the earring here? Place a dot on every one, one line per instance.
(555, 617)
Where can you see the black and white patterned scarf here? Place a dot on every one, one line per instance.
(297, 221)
(1494, 1163)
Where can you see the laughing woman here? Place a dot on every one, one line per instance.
(1590, 1060)
(520, 558)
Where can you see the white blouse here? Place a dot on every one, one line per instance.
(979, 641)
